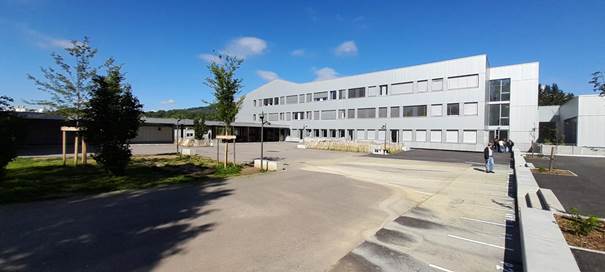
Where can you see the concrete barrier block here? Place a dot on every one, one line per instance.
(267, 165)
(551, 200)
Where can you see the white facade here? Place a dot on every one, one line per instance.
(441, 105)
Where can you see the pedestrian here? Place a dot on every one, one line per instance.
(501, 146)
(511, 144)
(488, 155)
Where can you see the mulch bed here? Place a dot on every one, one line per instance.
(556, 172)
(594, 240)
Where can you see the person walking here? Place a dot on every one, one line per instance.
(488, 155)
(500, 145)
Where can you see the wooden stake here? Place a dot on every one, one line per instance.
(233, 151)
(64, 146)
(76, 150)
(226, 151)
(552, 157)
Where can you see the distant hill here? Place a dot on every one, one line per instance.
(190, 113)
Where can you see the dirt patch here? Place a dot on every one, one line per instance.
(555, 172)
(594, 240)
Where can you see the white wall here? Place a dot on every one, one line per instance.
(591, 121)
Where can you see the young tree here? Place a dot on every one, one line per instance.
(69, 84)
(598, 82)
(9, 132)
(111, 118)
(199, 127)
(552, 95)
(226, 86)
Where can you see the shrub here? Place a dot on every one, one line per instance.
(230, 170)
(583, 226)
(9, 129)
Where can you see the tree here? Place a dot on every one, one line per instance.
(598, 82)
(226, 86)
(9, 132)
(199, 127)
(111, 118)
(552, 95)
(68, 84)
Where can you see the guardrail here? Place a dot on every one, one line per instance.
(542, 244)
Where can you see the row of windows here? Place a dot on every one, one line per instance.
(434, 85)
(407, 135)
(452, 109)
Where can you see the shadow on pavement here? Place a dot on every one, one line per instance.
(123, 232)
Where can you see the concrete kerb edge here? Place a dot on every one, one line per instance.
(543, 247)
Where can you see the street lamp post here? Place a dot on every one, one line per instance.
(261, 116)
(384, 149)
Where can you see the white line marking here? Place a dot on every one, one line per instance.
(587, 249)
(486, 222)
(479, 242)
(440, 268)
(421, 192)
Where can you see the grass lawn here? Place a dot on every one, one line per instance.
(30, 179)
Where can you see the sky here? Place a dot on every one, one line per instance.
(165, 46)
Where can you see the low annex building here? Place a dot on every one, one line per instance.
(458, 104)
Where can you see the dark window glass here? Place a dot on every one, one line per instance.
(351, 113)
(382, 112)
(499, 89)
(453, 109)
(357, 92)
(414, 111)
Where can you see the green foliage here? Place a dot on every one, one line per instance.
(30, 179)
(199, 127)
(583, 226)
(598, 82)
(230, 170)
(69, 84)
(226, 86)
(191, 113)
(112, 117)
(552, 95)
(9, 132)
(548, 133)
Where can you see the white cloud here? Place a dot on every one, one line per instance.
(267, 75)
(298, 52)
(325, 73)
(45, 41)
(169, 101)
(347, 48)
(210, 58)
(241, 47)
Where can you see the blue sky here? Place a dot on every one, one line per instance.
(164, 44)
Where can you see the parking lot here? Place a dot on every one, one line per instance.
(326, 211)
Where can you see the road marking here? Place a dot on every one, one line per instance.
(587, 249)
(425, 193)
(486, 222)
(479, 242)
(440, 268)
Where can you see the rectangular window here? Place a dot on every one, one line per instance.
(320, 96)
(291, 99)
(437, 84)
(309, 115)
(301, 98)
(420, 135)
(372, 91)
(288, 116)
(414, 111)
(273, 116)
(276, 100)
(470, 108)
(469, 137)
(316, 115)
(366, 113)
(395, 112)
(407, 135)
(382, 112)
(384, 90)
(253, 117)
(451, 136)
(282, 100)
(281, 116)
(436, 110)
(328, 115)
(402, 88)
(309, 98)
(435, 136)
(268, 101)
(351, 113)
(499, 114)
(361, 134)
(342, 94)
(357, 92)
(463, 82)
(333, 95)
(371, 134)
(254, 102)
(381, 134)
(423, 86)
(499, 90)
(453, 109)
(342, 114)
